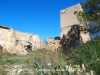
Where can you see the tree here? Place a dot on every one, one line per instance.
(90, 16)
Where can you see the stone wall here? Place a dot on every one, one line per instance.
(5, 34)
(27, 38)
(68, 19)
(21, 41)
(22, 36)
(52, 44)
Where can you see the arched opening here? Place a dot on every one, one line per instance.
(28, 46)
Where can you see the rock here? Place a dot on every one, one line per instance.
(67, 67)
(87, 73)
(16, 70)
(83, 67)
(91, 73)
(52, 44)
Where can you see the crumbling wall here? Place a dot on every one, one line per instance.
(4, 34)
(71, 40)
(36, 41)
(52, 44)
(15, 42)
(29, 39)
(67, 16)
(22, 36)
(72, 32)
(68, 19)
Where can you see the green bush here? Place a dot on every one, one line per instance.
(95, 66)
(89, 54)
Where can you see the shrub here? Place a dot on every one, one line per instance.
(89, 54)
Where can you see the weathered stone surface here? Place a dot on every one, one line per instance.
(15, 42)
(15, 71)
(71, 40)
(14, 50)
(52, 44)
(68, 19)
(73, 32)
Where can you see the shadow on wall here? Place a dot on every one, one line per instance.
(71, 40)
(28, 46)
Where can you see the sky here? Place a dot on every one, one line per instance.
(40, 17)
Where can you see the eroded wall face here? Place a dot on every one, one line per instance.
(64, 31)
(22, 36)
(36, 41)
(85, 36)
(67, 16)
(10, 37)
(52, 44)
(4, 33)
(68, 19)
(5, 36)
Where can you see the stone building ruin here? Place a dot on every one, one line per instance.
(53, 44)
(71, 35)
(68, 19)
(16, 42)
(10, 38)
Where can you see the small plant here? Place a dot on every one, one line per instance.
(54, 69)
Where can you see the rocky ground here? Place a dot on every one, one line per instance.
(40, 62)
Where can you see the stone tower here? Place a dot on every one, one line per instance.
(68, 18)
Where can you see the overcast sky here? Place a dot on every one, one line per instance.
(40, 17)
